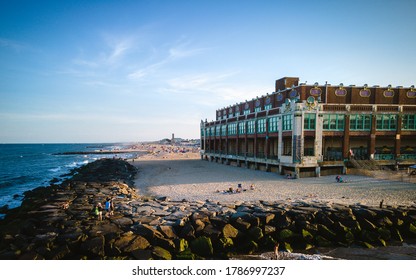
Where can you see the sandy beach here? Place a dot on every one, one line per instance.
(184, 176)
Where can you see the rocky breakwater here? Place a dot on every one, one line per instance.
(57, 222)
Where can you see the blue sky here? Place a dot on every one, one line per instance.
(118, 71)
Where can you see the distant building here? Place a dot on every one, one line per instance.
(311, 130)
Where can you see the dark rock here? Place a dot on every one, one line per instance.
(225, 243)
(282, 221)
(188, 231)
(94, 247)
(3, 209)
(255, 233)
(142, 254)
(248, 247)
(123, 222)
(161, 254)
(241, 224)
(366, 224)
(211, 231)
(165, 243)
(265, 218)
(202, 246)
(322, 241)
(138, 243)
(147, 231)
(412, 229)
(326, 232)
(186, 255)
(286, 235)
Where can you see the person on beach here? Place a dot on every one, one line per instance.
(108, 207)
(252, 187)
(98, 210)
(112, 206)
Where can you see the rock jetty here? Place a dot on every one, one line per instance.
(57, 222)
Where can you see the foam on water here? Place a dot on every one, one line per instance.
(27, 166)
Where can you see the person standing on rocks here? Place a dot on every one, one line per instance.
(99, 211)
(108, 207)
(111, 206)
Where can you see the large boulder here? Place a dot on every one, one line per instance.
(202, 246)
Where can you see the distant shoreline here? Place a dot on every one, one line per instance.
(101, 152)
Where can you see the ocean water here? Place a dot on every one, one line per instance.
(27, 166)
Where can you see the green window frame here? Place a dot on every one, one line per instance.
(232, 129)
(386, 122)
(246, 112)
(257, 109)
(251, 127)
(409, 122)
(242, 128)
(267, 107)
(287, 122)
(309, 121)
(273, 124)
(261, 125)
(360, 122)
(217, 130)
(334, 122)
(223, 130)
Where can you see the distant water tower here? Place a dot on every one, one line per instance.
(173, 139)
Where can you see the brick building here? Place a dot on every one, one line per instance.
(308, 130)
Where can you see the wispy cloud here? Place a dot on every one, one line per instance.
(12, 44)
(176, 52)
(212, 88)
(118, 48)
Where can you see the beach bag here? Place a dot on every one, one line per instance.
(96, 211)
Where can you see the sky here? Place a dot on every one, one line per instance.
(129, 71)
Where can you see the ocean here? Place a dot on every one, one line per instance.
(27, 166)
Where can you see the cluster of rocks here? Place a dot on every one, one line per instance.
(57, 222)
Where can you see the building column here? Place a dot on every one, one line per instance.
(346, 141)
(318, 136)
(398, 138)
(317, 171)
(297, 140)
(280, 139)
(267, 142)
(372, 144)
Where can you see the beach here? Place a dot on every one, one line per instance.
(184, 176)
(169, 204)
